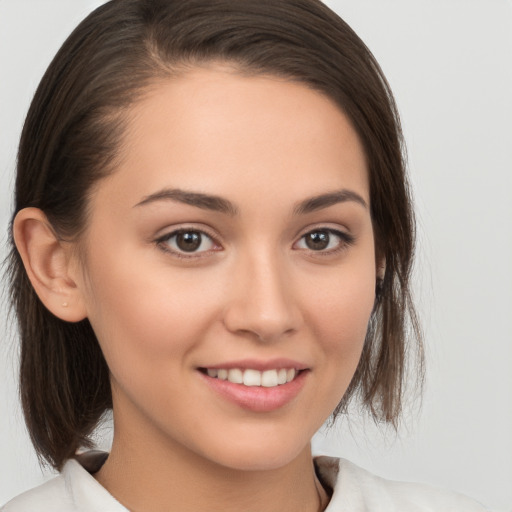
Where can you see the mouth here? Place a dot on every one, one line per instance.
(253, 378)
(257, 386)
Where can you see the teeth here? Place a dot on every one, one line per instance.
(281, 376)
(249, 377)
(269, 378)
(252, 378)
(236, 376)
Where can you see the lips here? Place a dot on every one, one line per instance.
(255, 386)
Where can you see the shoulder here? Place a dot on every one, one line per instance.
(74, 490)
(358, 490)
(50, 496)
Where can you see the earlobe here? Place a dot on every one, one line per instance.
(47, 262)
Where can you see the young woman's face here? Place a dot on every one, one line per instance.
(229, 268)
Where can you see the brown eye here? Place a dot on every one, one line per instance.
(317, 240)
(188, 241)
(324, 240)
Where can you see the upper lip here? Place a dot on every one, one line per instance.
(254, 364)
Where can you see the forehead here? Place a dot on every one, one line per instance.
(219, 131)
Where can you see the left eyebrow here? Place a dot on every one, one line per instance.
(329, 199)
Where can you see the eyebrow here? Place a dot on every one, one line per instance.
(219, 204)
(329, 199)
(203, 201)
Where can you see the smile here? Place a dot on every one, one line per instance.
(253, 378)
(257, 386)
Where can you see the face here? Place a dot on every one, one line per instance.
(229, 267)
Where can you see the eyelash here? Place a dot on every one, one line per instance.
(163, 243)
(345, 241)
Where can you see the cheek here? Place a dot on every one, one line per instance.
(339, 314)
(142, 317)
(341, 310)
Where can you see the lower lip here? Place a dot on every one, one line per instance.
(258, 398)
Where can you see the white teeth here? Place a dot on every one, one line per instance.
(236, 376)
(269, 378)
(252, 378)
(249, 377)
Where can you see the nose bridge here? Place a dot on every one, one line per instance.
(263, 301)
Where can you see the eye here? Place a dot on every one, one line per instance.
(324, 240)
(187, 241)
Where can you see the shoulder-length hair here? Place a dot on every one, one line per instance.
(72, 135)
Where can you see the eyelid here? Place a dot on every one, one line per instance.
(346, 239)
(161, 241)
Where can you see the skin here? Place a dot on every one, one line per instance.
(254, 290)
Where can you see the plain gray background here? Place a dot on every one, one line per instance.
(449, 63)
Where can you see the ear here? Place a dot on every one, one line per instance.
(47, 261)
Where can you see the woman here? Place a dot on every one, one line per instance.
(213, 237)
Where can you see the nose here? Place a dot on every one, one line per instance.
(262, 302)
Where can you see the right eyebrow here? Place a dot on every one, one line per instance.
(203, 201)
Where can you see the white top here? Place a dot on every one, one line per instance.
(354, 490)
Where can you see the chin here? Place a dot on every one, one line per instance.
(260, 455)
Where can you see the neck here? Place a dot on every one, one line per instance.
(146, 478)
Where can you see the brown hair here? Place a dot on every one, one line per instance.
(73, 131)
